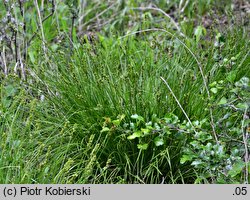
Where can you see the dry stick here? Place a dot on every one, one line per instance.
(17, 65)
(15, 44)
(199, 65)
(177, 101)
(4, 62)
(22, 66)
(42, 7)
(165, 14)
(245, 140)
(71, 32)
(21, 8)
(2, 55)
(41, 25)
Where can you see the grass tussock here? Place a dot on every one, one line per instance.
(140, 100)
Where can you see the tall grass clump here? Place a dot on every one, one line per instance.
(107, 79)
(36, 142)
(123, 92)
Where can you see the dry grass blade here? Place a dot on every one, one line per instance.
(165, 14)
(245, 140)
(41, 26)
(177, 101)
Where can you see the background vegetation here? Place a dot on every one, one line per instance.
(124, 91)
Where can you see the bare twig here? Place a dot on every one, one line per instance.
(42, 7)
(22, 66)
(4, 62)
(16, 45)
(21, 8)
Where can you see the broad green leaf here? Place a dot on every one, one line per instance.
(222, 101)
(54, 47)
(246, 123)
(199, 31)
(10, 90)
(196, 162)
(186, 158)
(105, 129)
(198, 180)
(231, 76)
(242, 106)
(6, 102)
(214, 90)
(243, 82)
(145, 131)
(142, 146)
(121, 117)
(116, 122)
(135, 116)
(213, 84)
(16, 143)
(32, 56)
(195, 144)
(158, 141)
(135, 135)
(237, 168)
(196, 123)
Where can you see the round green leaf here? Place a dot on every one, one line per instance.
(142, 146)
(158, 141)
